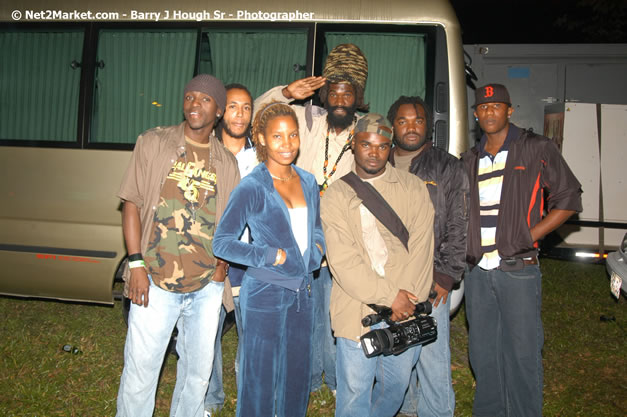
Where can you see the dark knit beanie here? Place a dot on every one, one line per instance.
(210, 85)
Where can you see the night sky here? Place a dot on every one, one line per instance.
(542, 21)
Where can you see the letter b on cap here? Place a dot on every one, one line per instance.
(489, 91)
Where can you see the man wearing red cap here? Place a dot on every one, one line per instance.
(174, 192)
(510, 171)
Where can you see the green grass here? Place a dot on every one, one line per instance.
(584, 357)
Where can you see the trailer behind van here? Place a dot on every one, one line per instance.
(576, 95)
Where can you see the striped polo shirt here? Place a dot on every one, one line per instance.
(490, 183)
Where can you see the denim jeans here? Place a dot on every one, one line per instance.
(195, 315)
(323, 340)
(214, 400)
(430, 392)
(356, 374)
(275, 361)
(505, 341)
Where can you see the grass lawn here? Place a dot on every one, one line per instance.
(584, 357)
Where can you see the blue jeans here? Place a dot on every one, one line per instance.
(356, 374)
(214, 400)
(323, 340)
(505, 341)
(430, 392)
(195, 315)
(275, 361)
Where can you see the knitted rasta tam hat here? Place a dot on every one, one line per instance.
(346, 62)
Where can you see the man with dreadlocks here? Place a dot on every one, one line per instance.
(326, 134)
(448, 189)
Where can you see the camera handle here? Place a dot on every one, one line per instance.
(384, 313)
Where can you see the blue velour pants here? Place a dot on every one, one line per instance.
(323, 341)
(275, 361)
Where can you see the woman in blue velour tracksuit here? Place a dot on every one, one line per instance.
(280, 203)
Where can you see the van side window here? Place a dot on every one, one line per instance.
(140, 76)
(396, 64)
(40, 86)
(258, 59)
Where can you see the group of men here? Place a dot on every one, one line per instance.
(437, 219)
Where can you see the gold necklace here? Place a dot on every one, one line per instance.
(283, 179)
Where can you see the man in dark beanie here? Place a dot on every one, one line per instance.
(325, 138)
(174, 192)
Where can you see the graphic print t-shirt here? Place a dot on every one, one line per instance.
(179, 256)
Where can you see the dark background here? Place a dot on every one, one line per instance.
(542, 21)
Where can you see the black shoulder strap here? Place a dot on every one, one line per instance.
(377, 205)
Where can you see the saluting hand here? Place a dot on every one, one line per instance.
(303, 88)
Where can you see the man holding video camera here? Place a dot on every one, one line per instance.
(384, 259)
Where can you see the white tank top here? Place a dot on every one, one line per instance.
(298, 217)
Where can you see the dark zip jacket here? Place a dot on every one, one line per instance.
(447, 183)
(535, 171)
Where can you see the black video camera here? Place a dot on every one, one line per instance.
(399, 336)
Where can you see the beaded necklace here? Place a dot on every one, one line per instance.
(325, 185)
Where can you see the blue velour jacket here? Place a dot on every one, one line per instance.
(256, 203)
